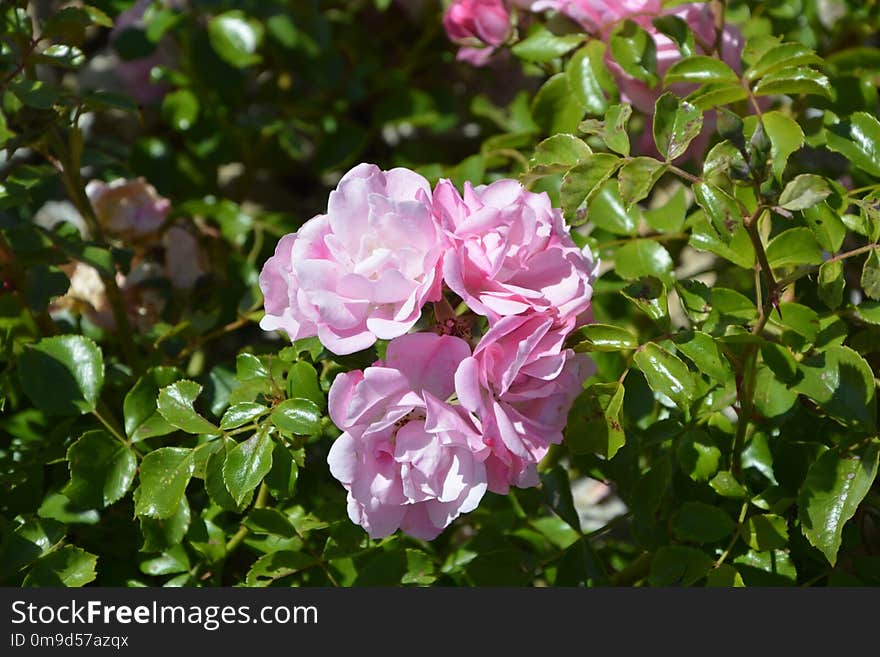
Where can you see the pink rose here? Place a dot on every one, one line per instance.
(521, 383)
(185, 260)
(512, 253)
(701, 21)
(406, 456)
(599, 16)
(362, 271)
(128, 209)
(478, 25)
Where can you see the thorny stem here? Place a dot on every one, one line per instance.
(746, 385)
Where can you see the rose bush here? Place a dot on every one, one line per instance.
(453, 292)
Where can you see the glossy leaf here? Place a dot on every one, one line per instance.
(68, 566)
(666, 373)
(175, 404)
(804, 191)
(63, 375)
(584, 181)
(795, 246)
(640, 258)
(602, 337)
(164, 475)
(834, 487)
(676, 124)
(247, 464)
(102, 470)
(142, 418)
(637, 178)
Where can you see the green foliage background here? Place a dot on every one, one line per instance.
(734, 407)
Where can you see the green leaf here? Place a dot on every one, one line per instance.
(721, 209)
(701, 523)
(766, 532)
(700, 69)
(831, 283)
(772, 397)
(738, 249)
(827, 226)
(558, 151)
(842, 384)
(677, 565)
(269, 521)
(804, 191)
(63, 375)
(786, 137)
(554, 109)
(276, 565)
(164, 475)
(175, 404)
(666, 374)
(69, 566)
(834, 488)
(297, 416)
(695, 297)
(713, 94)
(242, 413)
(584, 181)
(858, 140)
(676, 29)
(676, 124)
(247, 464)
(180, 109)
(792, 81)
(724, 576)
(726, 485)
(615, 128)
(649, 295)
(795, 246)
(698, 456)
(302, 382)
(771, 568)
(786, 55)
(705, 353)
(174, 560)
(541, 45)
(142, 419)
(236, 38)
(637, 178)
(643, 257)
(602, 337)
(588, 77)
(803, 320)
(594, 423)
(557, 495)
(871, 275)
(27, 543)
(670, 215)
(284, 474)
(249, 367)
(164, 533)
(101, 470)
(215, 485)
(635, 52)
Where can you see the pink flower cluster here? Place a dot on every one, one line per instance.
(445, 416)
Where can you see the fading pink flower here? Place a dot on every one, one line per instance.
(512, 253)
(521, 383)
(406, 456)
(185, 260)
(362, 271)
(128, 209)
(479, 26)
